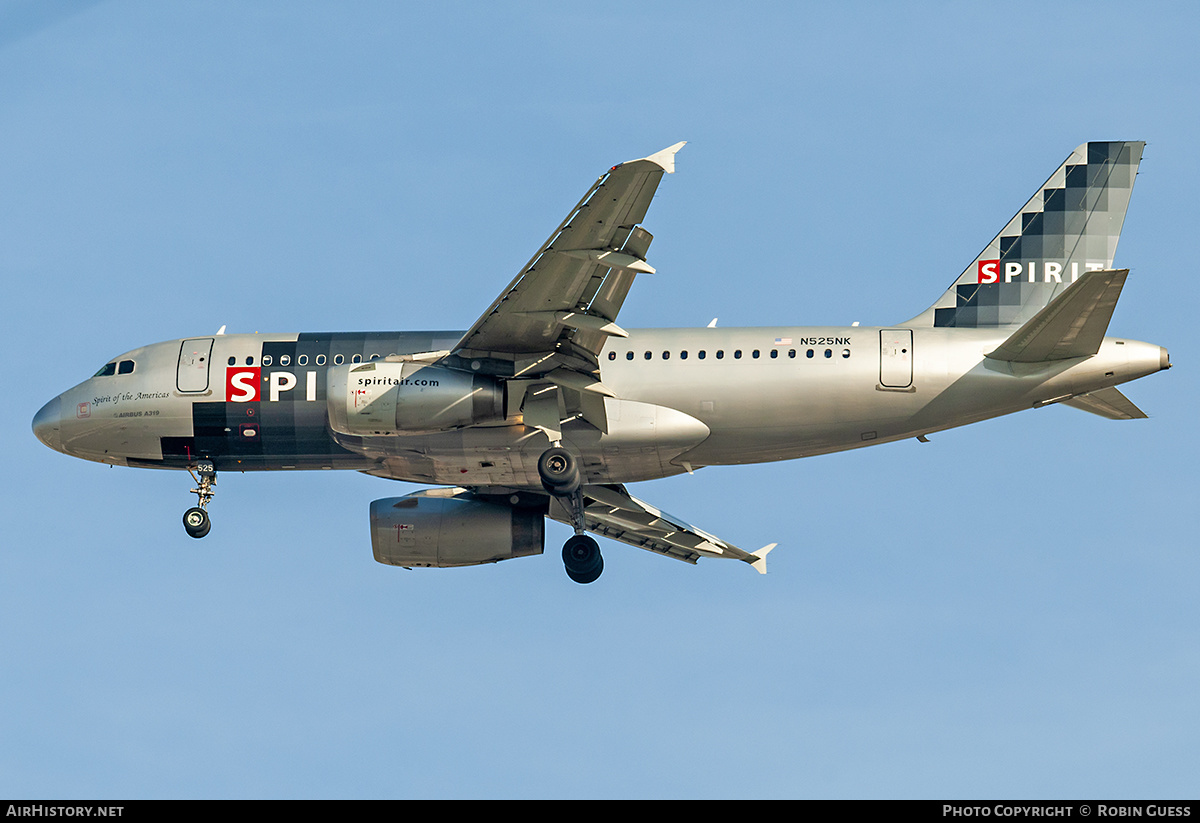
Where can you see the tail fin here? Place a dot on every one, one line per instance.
(1070, 226)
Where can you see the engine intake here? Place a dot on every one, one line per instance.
(410, 398)
(434, 528)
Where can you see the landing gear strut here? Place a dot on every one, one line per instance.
(195, 519)
(560, 475)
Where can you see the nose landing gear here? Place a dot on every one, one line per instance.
(196, 522)
(561, 477)
(195, 519)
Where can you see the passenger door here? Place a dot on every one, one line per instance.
(895, 358)
(194, 356)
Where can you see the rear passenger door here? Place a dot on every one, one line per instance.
(895, 358)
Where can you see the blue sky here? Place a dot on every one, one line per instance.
(1006, 611)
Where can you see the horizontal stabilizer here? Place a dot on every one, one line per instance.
(1072, 325)
(1108, 403)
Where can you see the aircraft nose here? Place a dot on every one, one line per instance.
(47, 424)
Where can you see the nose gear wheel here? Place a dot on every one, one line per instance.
(196, 522)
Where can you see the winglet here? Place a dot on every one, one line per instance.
(760, 564)
(664, 159)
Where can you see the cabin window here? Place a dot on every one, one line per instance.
(612, 355)
(754, 354)
(338, 359)
(302, 360)
(683, 355)
(320, 360)
(356, 358)
(774, 354)
(233, 361)
(809, 354)
(648, 355)
(845, 352)
(792, 353)
(284, 360)
(701, 354)
(720, 354)
(829, 352)
(666, 355)
(628, 355)
(267, 360)
(737, 354)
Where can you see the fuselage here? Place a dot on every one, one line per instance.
(683, 399)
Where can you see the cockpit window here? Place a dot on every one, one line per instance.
(125, 367)
(108, 371)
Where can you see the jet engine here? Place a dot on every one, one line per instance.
(384, 397)
(448, 527)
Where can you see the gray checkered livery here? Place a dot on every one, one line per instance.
(1069, 226)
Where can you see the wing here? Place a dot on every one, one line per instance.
(612, 512)
(551, 322)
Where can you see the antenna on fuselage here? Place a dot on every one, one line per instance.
(713, 324)
(220, 331)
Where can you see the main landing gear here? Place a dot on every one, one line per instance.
(560, 475)
(195, 519)
(581, 557)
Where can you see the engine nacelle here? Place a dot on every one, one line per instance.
(433, 528)
(382, 397)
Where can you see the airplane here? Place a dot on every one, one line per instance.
(545, 407)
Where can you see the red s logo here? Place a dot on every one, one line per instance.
(241, 384)
(989, 271)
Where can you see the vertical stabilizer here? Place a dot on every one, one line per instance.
(1070, 226)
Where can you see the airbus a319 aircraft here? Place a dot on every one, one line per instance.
(545, 407)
